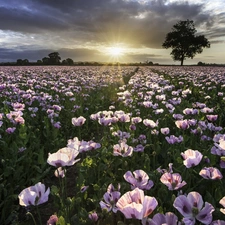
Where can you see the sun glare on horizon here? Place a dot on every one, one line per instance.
(115, 51)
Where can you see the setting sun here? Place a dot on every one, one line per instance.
(115, 51)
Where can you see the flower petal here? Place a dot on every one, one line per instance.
(205, 215)
(182, 204)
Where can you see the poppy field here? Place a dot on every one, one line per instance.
(112, 145)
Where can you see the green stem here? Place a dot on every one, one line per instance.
(198, 183)
(39, 215)
(79, 130)
(114, 218)
(31, 215)
(66, 205)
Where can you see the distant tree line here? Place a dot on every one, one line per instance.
(209, 64)
(52, 59)
(55, 59)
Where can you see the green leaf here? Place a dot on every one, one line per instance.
(61, 221)
(222, 158)
(23, 132)
(96, 187)
(41, 158)
(120, 223)
(54, 190)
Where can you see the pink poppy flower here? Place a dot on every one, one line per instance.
(147, 104)
(84, 188)
(110, 199)
(111, 188)
(136, 120)
(182, 124)
(93, 216)
(165, 130)
(172, 180)
(192, 122)
(219, 149)
(211, 173)
(218, 222)
(190, 111)
(78, 121)
(34, 195)
(57, 107)
(60, 172)
(121, 134)
(207, 110)
(191, 157)
(158, 219)
(173, 139)
(134, 204)
(18, 106)
(191, 207)
(73, 143)
(57, 124)
(14, 114)
(122, 149)
(222, 202)
(123, 117)
(150, 123)
(178, 116)
(140, 179)
(82, 146)
(52, 220)
(106, 121)
(63, 157)
(19, 120)
(132, 127)
(139, 148)
(169, 170)
(212, 118)
(10, 130)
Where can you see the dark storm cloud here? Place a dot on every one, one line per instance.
(103, 21)
(97, 16)
(8, 55)
(26, 21)
(219, 30)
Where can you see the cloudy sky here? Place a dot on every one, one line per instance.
(106, 30)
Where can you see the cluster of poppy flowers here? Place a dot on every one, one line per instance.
(145, 92)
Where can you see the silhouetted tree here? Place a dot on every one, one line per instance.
(184, 42)
(19, 62)
(46, 60)
(25, 62)
(69, 61)
(39, 62)
(22, 62)
(54, 58)
(201, 64)
(150, 63)
(64, 62)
